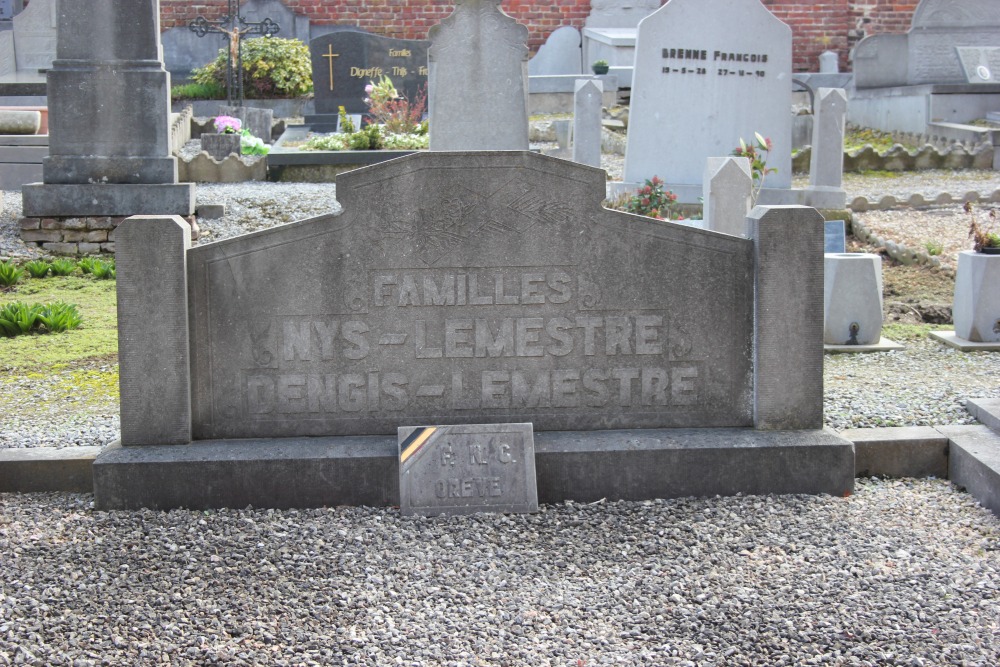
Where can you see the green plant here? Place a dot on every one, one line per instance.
(650, 200)
(757, 153)
(251, 145)
(18, 318)
(272, 67)
(86, 265)
(103, 270)
(934, 248)
(9, 274)
(37, 268)
(198, 91)
(367, 139)
(396, 112)
(346, 124)
(981, 233)
(63, 267)
(59, 316)
(600, 67)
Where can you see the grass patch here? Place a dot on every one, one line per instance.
(900, 332)
(95, 339)
(855, 138)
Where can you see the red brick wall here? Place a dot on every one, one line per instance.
(817, 26)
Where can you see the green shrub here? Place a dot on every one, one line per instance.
(272, 67)
(21, 318)
(86, 265)
(63, 267)
(103, 270)
(9, 273)
(198, 91)
(934, 248)
(37, 268)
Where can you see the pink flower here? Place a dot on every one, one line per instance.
(368, 89)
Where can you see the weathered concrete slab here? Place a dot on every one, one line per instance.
(581, 466)
(986, 410)
(39, 469)
(950, 339)
(974, 462)
(910, 451)
(91, 199)
(883, 345)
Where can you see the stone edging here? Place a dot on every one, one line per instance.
(897, 251)
(77, 236)
(898, 158)
(203, 168)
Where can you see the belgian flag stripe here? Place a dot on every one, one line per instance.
(415, 442)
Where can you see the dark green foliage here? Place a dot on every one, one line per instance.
(369, 138)
(86, 265)
(37, 268)
(198, 91)
(21, 318)
(103, 270)
(272, 67)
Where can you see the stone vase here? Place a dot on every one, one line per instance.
(852, 298)
(220, 146)
(976, 309)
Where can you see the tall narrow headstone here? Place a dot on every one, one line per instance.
(478, 80)
(708, 73)
(587, 122)
(826, 163)
(109, 105)
(828, 63)
(726, 198)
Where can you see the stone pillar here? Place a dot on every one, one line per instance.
(788, 317)
(153, 349)
(726, 189)
(826, 165)
(587, 99)
(828, 63)
(109, 105)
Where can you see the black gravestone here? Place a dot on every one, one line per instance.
(344, 62)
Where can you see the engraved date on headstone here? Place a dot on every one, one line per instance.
(463, 469)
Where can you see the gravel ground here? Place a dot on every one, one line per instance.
(905, 572)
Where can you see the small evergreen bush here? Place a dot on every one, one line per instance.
(272, 67)
(63, 267)
(9, 274)
(37, 268)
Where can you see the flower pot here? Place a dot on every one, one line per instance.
(852, 298)
(220, 146)
(976, 310)
(600, 69)
(991, 251)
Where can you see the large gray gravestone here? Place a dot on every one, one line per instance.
(109, 137)
(478, 80)
(465, 469)
(707, 73)
(927, 53)
(560, 54)
(485, 288)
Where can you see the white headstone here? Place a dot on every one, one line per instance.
(560, 54)
(826, 166)
(828, 63)
(726, 197)
(707, 73)
(477, 86)
(35, 35)
(587, 122)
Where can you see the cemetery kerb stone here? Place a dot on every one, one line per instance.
(478, 80)
(708, 72)
(472, 288)
(344, 62)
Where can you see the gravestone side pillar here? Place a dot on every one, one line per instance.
(788, 316)
(153, 351)
(727, 188)
(477, 83)
(826, 165)
(109, 104)
(587, 121)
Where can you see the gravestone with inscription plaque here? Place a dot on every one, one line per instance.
(481, 288)
(467, 468)
(707, 73)
(344, 62)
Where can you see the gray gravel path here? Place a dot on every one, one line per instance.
(902, 573)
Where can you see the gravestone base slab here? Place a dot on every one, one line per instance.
(950, 339)
(43, 200)
(883, 345)
(582, 466)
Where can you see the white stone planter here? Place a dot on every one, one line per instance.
(976, 310)
(852, 299)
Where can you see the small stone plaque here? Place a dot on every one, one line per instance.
(466, 468)
(835, 240)
(981, 64)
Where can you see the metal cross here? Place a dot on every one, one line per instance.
(233, 28)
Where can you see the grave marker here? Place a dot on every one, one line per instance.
(727, 194)
(980, 64)
(478, 80)
(708, 72)
(587, 122)
(466, 468)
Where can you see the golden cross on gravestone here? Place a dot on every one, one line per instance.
(331, 55)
